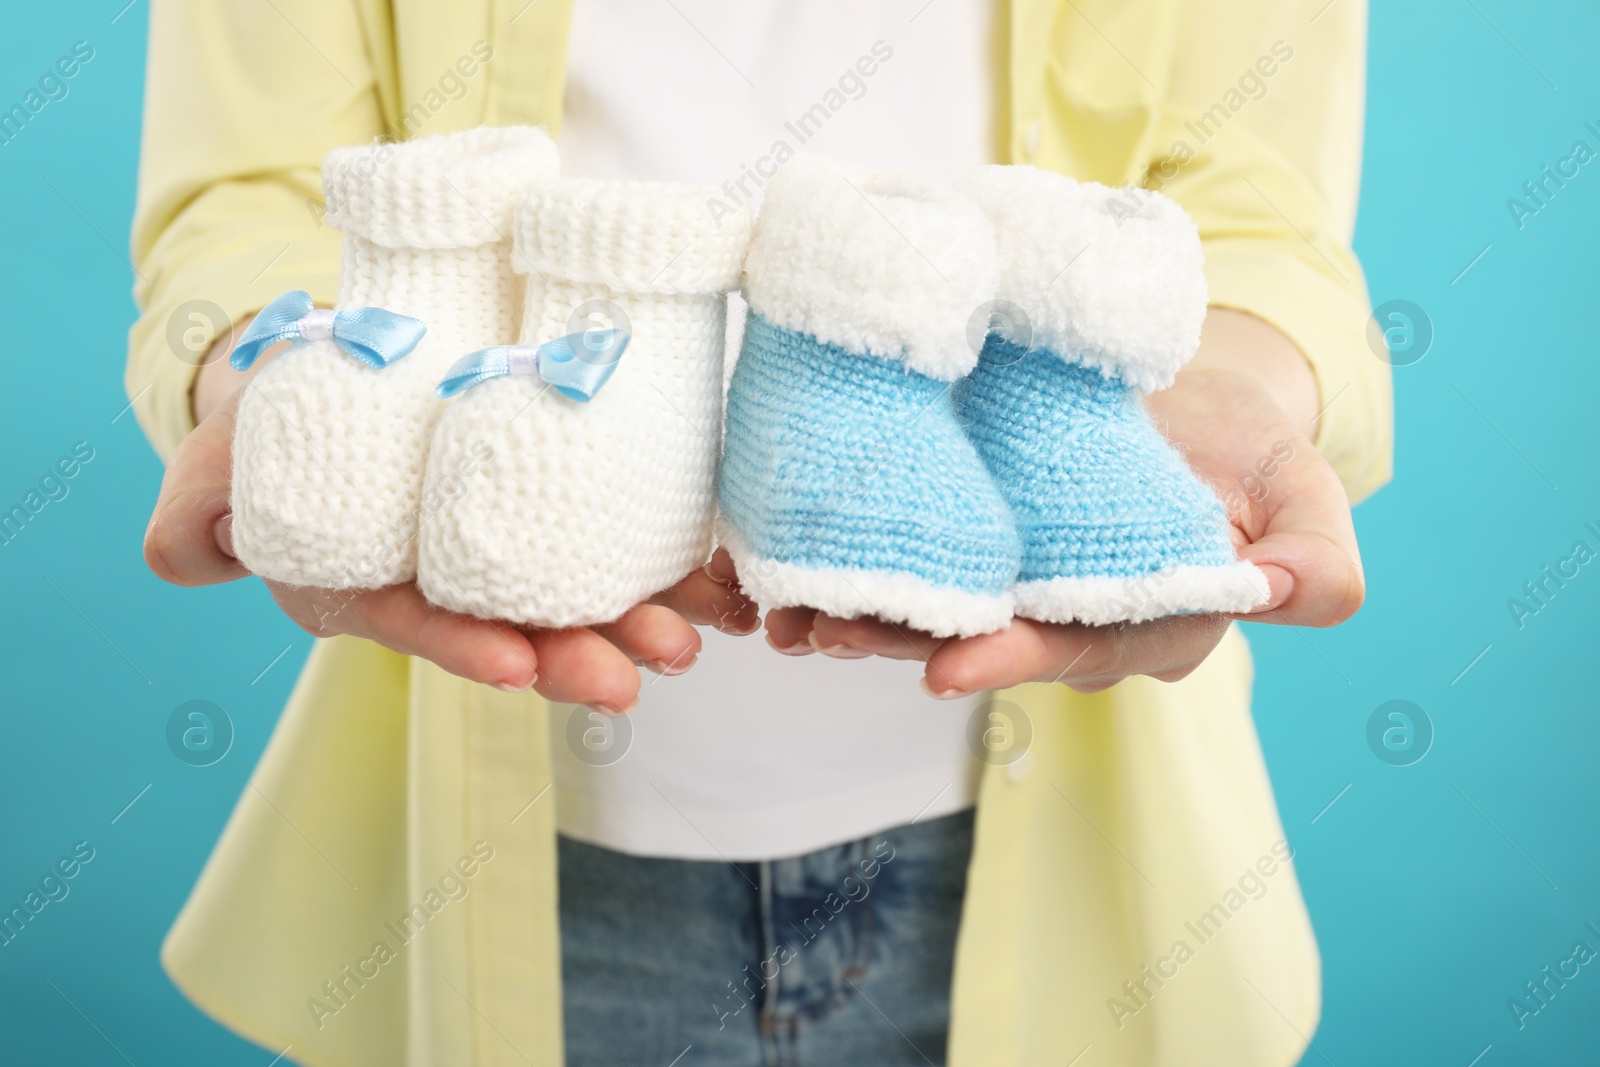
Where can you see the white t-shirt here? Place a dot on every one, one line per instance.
(752, 754)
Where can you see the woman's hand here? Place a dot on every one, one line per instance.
(189, 542)
(1243, 412)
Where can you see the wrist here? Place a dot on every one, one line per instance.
(217, 380)
(1237, 342)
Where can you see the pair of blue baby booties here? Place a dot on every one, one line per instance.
(935, 418)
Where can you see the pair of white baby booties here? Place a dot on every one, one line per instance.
(511, 501)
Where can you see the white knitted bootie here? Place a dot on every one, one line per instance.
(600, 432)
(329, 451)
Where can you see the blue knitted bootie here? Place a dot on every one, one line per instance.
(847, 484)
(1102, 296)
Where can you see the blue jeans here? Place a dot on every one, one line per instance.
(840, 956)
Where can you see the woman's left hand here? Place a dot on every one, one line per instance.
(1243, 413)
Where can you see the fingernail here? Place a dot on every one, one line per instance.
(673, 669)
(836, 651)
(513, 687)
(607, 709)
(721, 569)
(803, 648)
(1281, 583)
(222, 533)
(739, 627)
(941, 694)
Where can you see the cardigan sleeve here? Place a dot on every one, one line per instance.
(1260, 139)
(242, 101)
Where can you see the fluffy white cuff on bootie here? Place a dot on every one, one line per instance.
(873, 261)
(1112, 278)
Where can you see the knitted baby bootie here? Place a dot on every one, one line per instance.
(599, 432)
(847, 484)
(1102, 296)
(332, 439)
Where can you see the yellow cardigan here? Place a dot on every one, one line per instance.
(1128, 893)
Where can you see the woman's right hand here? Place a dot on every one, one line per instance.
(189, 542)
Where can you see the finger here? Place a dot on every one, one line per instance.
(1087, 658)
(581, 667)
(189, 539)
(398, 618)
(722, 567)
(789, 630)
(1308, 549)
(1024, 651)
(711, 597)
(858, 638)
(655, 637)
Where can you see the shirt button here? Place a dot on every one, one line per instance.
(1033, 138)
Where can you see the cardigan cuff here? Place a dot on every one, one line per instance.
(185, 312)
(1326, 318)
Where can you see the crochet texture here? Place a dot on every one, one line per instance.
(847, 484)
(329, 454)
(1114, 525)
(586, 509)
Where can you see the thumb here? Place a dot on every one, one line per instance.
(1306, 546)
(188, 541)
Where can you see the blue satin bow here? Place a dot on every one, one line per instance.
(577, 365)
(372, 335)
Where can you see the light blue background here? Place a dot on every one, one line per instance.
(1437, 889)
